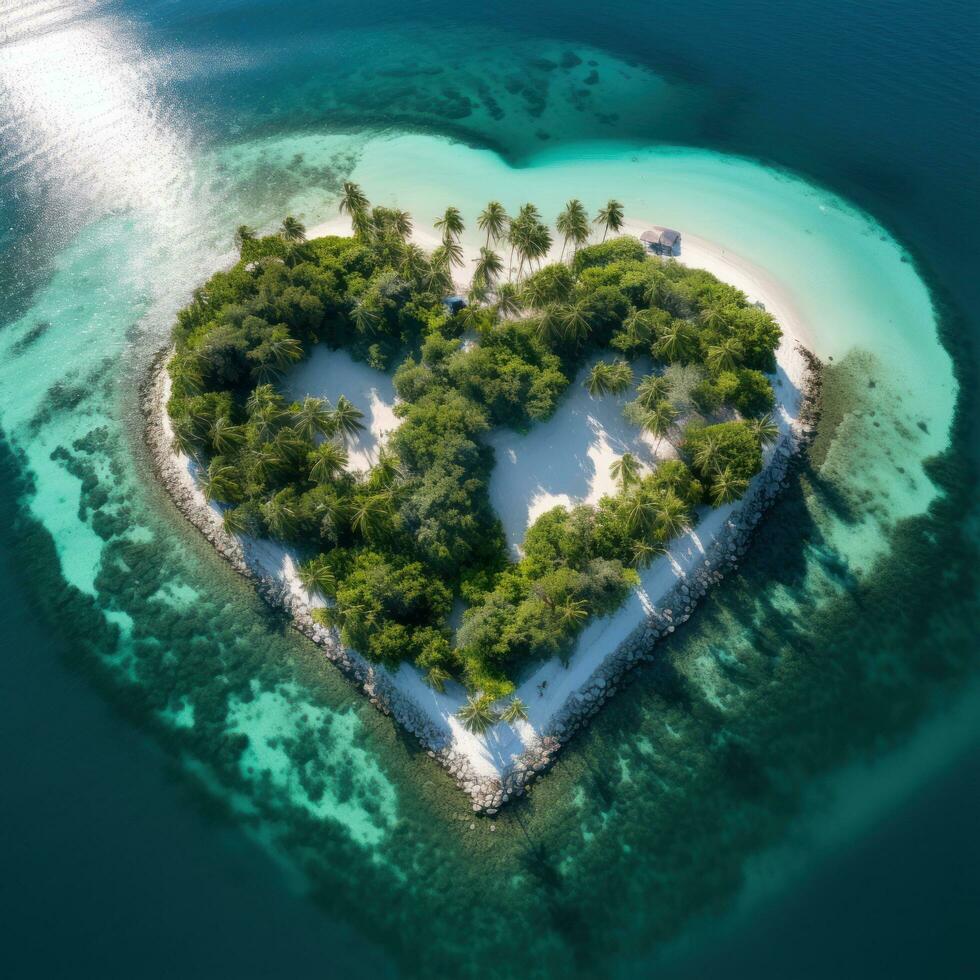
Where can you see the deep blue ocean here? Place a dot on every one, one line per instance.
(825, 827)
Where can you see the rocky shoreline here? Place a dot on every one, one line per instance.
(488, 794)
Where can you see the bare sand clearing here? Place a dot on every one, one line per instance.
(566, 461)
(329, 374)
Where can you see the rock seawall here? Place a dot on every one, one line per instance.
(488, 794)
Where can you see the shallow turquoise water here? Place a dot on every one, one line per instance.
(126, 181)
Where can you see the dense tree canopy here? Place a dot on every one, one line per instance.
(393, 547)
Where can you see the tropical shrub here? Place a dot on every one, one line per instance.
(624, 248)
(728, 445)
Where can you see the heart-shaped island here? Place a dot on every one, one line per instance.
(485, 507)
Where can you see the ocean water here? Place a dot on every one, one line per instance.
(239, 776)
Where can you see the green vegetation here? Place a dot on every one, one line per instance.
(393, 548)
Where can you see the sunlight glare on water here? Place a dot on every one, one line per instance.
(83, 113)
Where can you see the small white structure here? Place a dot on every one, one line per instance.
(662, 241)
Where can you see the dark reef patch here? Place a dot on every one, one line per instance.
(30, 338)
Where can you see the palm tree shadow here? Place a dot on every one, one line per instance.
(537, 860)
(598, 783)
(565, 914)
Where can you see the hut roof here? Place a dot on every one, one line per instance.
(661, 236)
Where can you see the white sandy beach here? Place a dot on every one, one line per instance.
(562, 461)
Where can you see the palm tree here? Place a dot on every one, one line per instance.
(365, 315)
(636, 326)
(414, 263)
(508, 303)
(353, 200)
(658, 421)
(517, 230)
(267, 372)
(672, 344)
(187, 376)
(573, 611)
(519, 237)
(642, 552)
(641, 511)
(317, 578)
(401, 224)
(610, 218)
(529, 237)
(515, 710)
(261, 396)
(625, 469)
(656, 291)
(329, 511)
(371, 516)
(540, 243)
(725, 355)
(573, 224)
(347, 418)
(652, 389)
(292, 230)
(493, 220)
(452, 252)
(362, 224)
(327, 460)
(219, 482)
(283, 351)
(280, 517)
(580, 230)
(766, 429)
(290, 450)
(510, 236)
(472, 315)
(266, 420)
(620, 377)
(672, 514)
(597, 383)
(727, 487)
(386, 470)
(312, 418)
(436, 678)
(261, 460)
(276, 355)
(575, 325)
(606, 378)
(450, 224)
(566, 223)
(713, 316)
(185, 439)
(707, 453)
(549, 324)
(488, 268)
(438, 278)
(537, 293)
(234, 521)
(477, 715)
(224, 435)
(243, 234)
